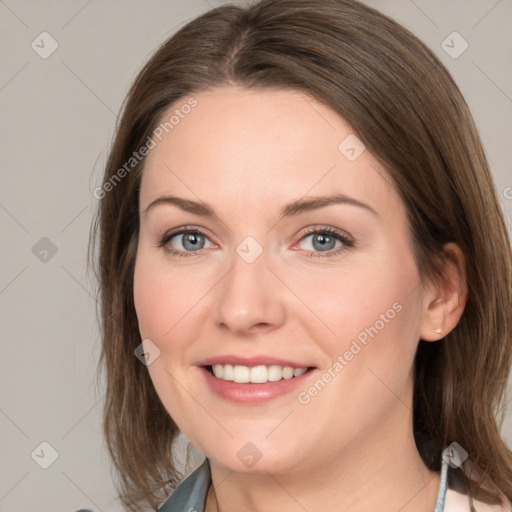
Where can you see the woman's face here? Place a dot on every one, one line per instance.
(269, 275)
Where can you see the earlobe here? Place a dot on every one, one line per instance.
(445, 301)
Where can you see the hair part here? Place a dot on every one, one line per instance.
(405, 107)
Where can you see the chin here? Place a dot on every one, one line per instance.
(256, 458)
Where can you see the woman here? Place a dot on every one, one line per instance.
(304, 269)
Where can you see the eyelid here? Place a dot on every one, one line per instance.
(326, 229)
(168, 235)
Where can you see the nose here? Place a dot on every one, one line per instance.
(250, 298)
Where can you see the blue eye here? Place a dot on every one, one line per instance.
(191, 240)
(325, 242)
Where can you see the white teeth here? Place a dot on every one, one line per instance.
(227, 372)
(218, 371)
(241, 374)
(275, 373)
(259, 374)
(256, 374)
(287, 372)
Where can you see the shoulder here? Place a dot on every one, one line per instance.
(506, 506)
(457, 502)
(191, 492)
(459, 498)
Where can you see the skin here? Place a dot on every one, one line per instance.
(247, 154)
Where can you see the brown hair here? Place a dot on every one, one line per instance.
(405, 107)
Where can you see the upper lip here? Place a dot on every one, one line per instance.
(257, 360)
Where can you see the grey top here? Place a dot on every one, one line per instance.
(190, 495)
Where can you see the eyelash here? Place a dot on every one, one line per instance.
(338, 235)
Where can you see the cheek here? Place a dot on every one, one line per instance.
(170, 306)
(370, 316)
(343, 304)
(149, 298)
(163, 295)
(160, 305)
(374, 319)
(159, 301)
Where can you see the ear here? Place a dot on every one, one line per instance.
(444, 300)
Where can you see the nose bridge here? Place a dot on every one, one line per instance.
(249, 294)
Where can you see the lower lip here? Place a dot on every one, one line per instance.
(252, 393)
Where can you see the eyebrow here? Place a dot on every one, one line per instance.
(294, 208)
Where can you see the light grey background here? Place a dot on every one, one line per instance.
(58, 117)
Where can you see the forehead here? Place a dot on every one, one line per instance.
(246, 148)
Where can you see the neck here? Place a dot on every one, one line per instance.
(381, 472)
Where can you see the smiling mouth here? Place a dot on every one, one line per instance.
(260, 374)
